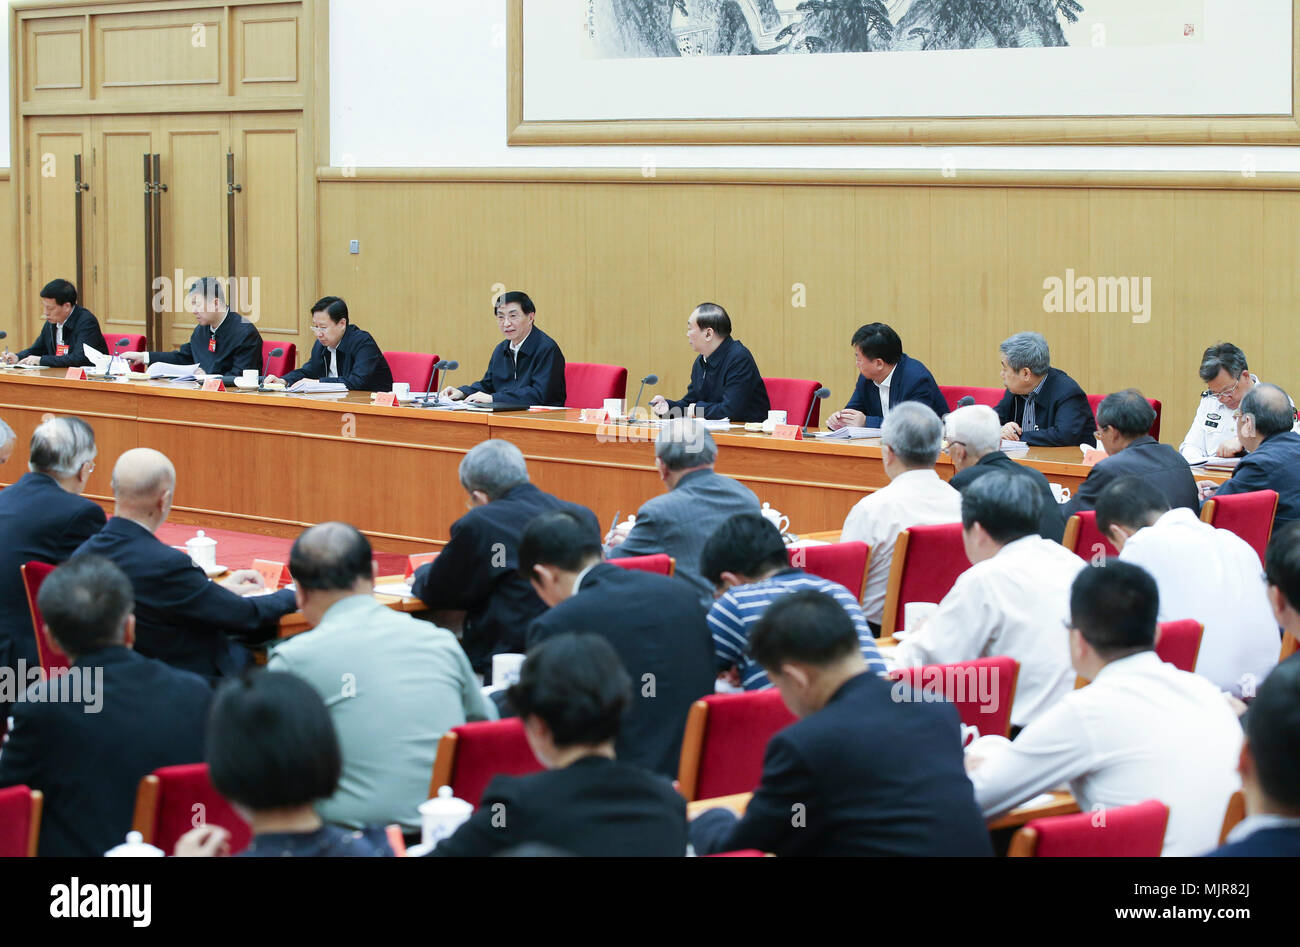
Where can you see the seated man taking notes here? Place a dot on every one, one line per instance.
(526, 368)
(68, 327)
(887, 377)
(343, 354)
(1042, 406)
(725, 382)
(222, 343)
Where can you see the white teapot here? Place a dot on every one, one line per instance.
(775, 517)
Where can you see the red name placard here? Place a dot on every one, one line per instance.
(214, 384)
(386, 399)
(419, 559)
(597, 415)
(788, 432)
(274, 574)
(76, 374)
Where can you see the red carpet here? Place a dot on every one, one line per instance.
(238, 550)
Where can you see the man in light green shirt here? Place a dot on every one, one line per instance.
(393, 684)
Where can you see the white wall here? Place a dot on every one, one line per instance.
(436, 97)
(4, 86)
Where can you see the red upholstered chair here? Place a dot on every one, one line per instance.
(1249, 515)
(659, 563)
(845, 563)
(470, 755)
(726, 735)
(961, 684)
(52, 657)
(1136, 831)
(172, 800)
(20, 821)
(1290, 646)
(1094, 400)
(1082, 536)
(414, 368)
(1179, 642)
(954, 393)
(793, 396)
(1235, 812)
(279, 365)
(134, 343)
(588, 384)
(927, 561)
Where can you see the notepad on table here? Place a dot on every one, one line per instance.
(174, 372)
(309, 386)
(1012, 447)
(847, 433)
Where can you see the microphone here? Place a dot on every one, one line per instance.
(650, 379)
(266, 368)
(819, 394)
(119, 344)
(443, 365)
(965, 401)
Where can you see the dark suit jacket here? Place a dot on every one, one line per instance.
(538, 379)
(80, 328)
(911, 381)
(41, 522)
(1282, 842)
(658, 628)
(1159, 464)
(181, 616)
(727, 385)
(867, 775)
(1062, 413)
(596, 807)
(239, 347)
(476, 571)
(362, 367)
(1051, 524)
(1274, 465)
(89, 765)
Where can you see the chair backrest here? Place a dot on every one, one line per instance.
(414, 368)
(279, 365)
(982, 690)
(1136, 831)
(174, 799)
(588, 384)
(1235, 812)
(1249, 515)
(954, 393)
(660, 563)
(134, 343)
(726, 736)
(794, 397)
(1082, 537)
(926, 563)
(1094, 400)
(20, 821)
(470, 755)
(1179, 642)
(52, 657)
(845, 563)
(1290, 646)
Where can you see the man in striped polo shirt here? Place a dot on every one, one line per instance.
(746, 561)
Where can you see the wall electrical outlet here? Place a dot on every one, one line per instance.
(354, 246)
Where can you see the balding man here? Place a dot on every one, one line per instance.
(1264, 428)
(43, 518)
(8, 441)
(182, 617)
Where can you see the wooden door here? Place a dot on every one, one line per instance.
(117, 203)
(49, 213)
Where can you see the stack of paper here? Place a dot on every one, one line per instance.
(845, 433)
(115, 364)
(722, 424)
(309, 386)
(1011, 447)
(174, 372)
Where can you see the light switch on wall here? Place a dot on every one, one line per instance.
(354, 246)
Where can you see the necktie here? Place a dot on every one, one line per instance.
(1029, 422)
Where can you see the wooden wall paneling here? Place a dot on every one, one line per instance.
(182, 54)
(615, 324)
(52, 219)
(750, 279)
(117, 256)
(9, 252)
(268, 43)
(55, 53)
(498, 252)
(554, 275)
(444, 314)
(1281, 287)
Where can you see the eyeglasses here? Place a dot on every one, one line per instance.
(504, 317)
(1226, 392)
(319, 330)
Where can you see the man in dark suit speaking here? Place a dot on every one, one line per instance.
(1043, 406)
(887, 378)
(68, 327)
(725, 382)
(222, 343)
(342, 353)
(526, 368)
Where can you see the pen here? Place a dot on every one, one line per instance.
(616, 518)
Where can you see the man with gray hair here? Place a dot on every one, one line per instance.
(8, 441)
(974, 436)
(698, 500)
(43, 518)
(1043, 406)
(477, 571)
(1264, 428)
(909, 448)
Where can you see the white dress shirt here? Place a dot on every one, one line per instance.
(1259, 823)
(334, 362)
(1013, 604)
(883, 389)
(913, 498)
(1141, 730)
(1214, 576)
(1213, 425)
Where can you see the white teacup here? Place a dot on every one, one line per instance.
(202, 550)
(250, 376)
(505, 669)
(402, 389)
(614, 408)
(1061, 493)
(441, 816)
(776, 417)
(916, 614)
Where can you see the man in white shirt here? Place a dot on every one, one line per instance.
(1214, 429)
(909, 448)
(1211, 575)
(1011, 601)
(1141, 730)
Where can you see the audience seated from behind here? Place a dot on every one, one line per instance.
(1272, 461)
(572, 695)
(1282, 575)
(886, 378)
(1211, 575)
(747, 562)
(680, 521)
(1141, 730)
(43, 518)
(974, 436)
(1123, 420)
(478, 570)
(654, 623)
(8, 442)
(1011, 601)
(1042, 406)
(182, 617)
(273, 753)
(910, 440)
(1227, 379)
(393, 684)
(868, 769)
(86, 738)
(725, 380)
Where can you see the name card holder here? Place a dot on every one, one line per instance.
(385, 399)
(787, 432)
(274, 574)
(214, 384)
(420, 558)
(76, 374)
(594, 415)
